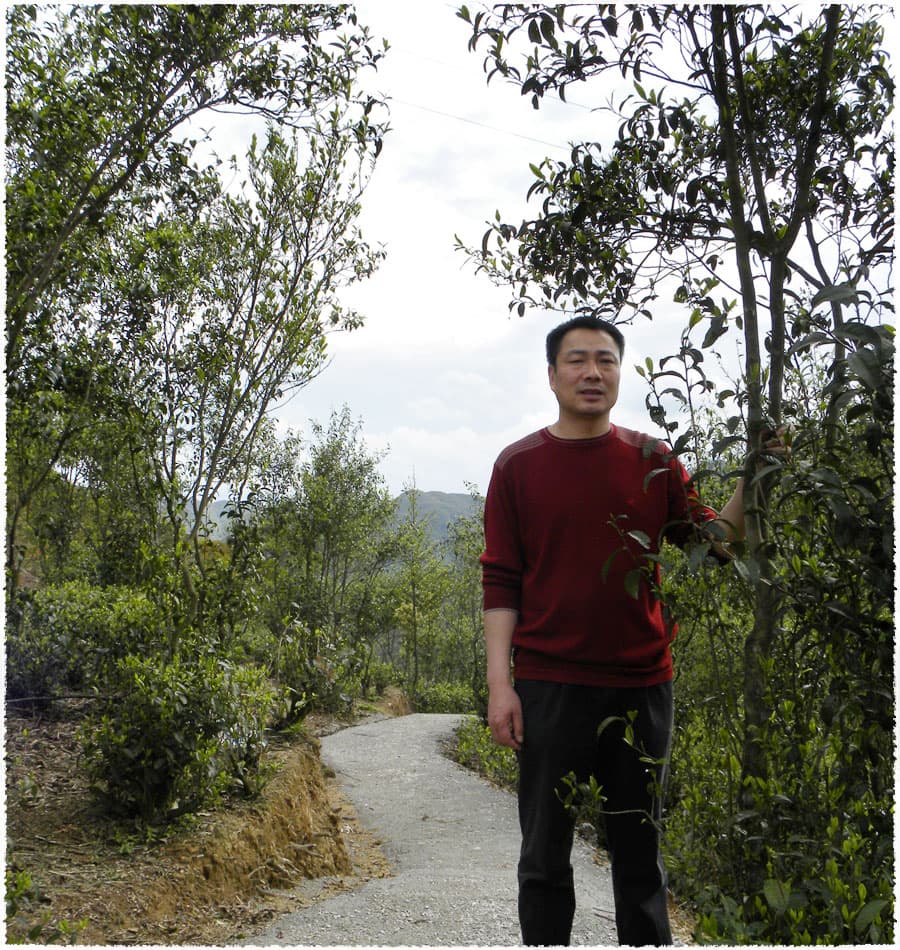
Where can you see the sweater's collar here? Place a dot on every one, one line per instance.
(593, 440)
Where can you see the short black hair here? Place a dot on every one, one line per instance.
(555, 336)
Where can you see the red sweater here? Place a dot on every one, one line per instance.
(557, 519)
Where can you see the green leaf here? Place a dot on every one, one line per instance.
(720, 445)
(717, 328)
(605, 725)
(873, 336)
(827, 476)
(692, 191)
(697, 555)
(633, 583)
(868, 914)
(651, 475)
(642, 539)
(836, 293)
(811, 339)
(547, 30)
(748, 570)
(865, 365)
(777, 894)
(765, 471)
(607, 564)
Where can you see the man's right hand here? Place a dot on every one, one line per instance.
(505, 716)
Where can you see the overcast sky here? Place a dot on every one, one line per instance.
(441, 376)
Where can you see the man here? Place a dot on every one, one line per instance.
(572, 512)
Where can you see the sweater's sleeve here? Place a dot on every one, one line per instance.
(501, 562)
(687, 513)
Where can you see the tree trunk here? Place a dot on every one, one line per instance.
(758, 643)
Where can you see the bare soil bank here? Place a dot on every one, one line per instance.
(216, 880)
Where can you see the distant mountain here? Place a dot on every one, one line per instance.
(439, 509)
(217, 521)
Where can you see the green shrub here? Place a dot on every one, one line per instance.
(445, 698)
(27, 919)
(475, 749)
(803, 865)
(180, 730)
(381, 675)
(70, 637)
(246, 706)
(312, 666)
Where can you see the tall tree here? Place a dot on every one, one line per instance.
(346, 515)
(97, 97)
(327, 537)
(760, 170)
(251, 327)
(464, 614)
(421, 581)
(135, 279)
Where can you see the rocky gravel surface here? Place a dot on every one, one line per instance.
(452, 841)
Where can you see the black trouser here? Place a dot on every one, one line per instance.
(561, 736)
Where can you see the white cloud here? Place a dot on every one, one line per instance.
(440, 374)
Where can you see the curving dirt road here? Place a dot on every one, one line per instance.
(452, 841)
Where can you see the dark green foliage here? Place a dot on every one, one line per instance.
(247, 704)
(28, 920)
(748, 186)
(156, 316)
(475, 748)
(314, 669)
(93, 146)
(822, 879)
(324, 541)
(380, 676)
(175, 733)
(69, 638)
(803, 853)
(454, 697)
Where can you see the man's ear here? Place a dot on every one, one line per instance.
(551, 376)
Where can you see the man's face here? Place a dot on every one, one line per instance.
(585, 378)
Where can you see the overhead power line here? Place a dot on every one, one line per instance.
(483, 125)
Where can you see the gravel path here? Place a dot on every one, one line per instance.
(452, 841)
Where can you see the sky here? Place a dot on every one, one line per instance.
(441, 376)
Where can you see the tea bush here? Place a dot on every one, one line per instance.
(247, 702)
(475, 749)
(179, 731)
(27, 919)
(445, 698)
(70, 637)
(312, 667)
(382, 675)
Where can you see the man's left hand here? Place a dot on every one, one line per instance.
(778, 442)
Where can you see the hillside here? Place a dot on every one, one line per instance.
(438, 508)
(81, 878)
